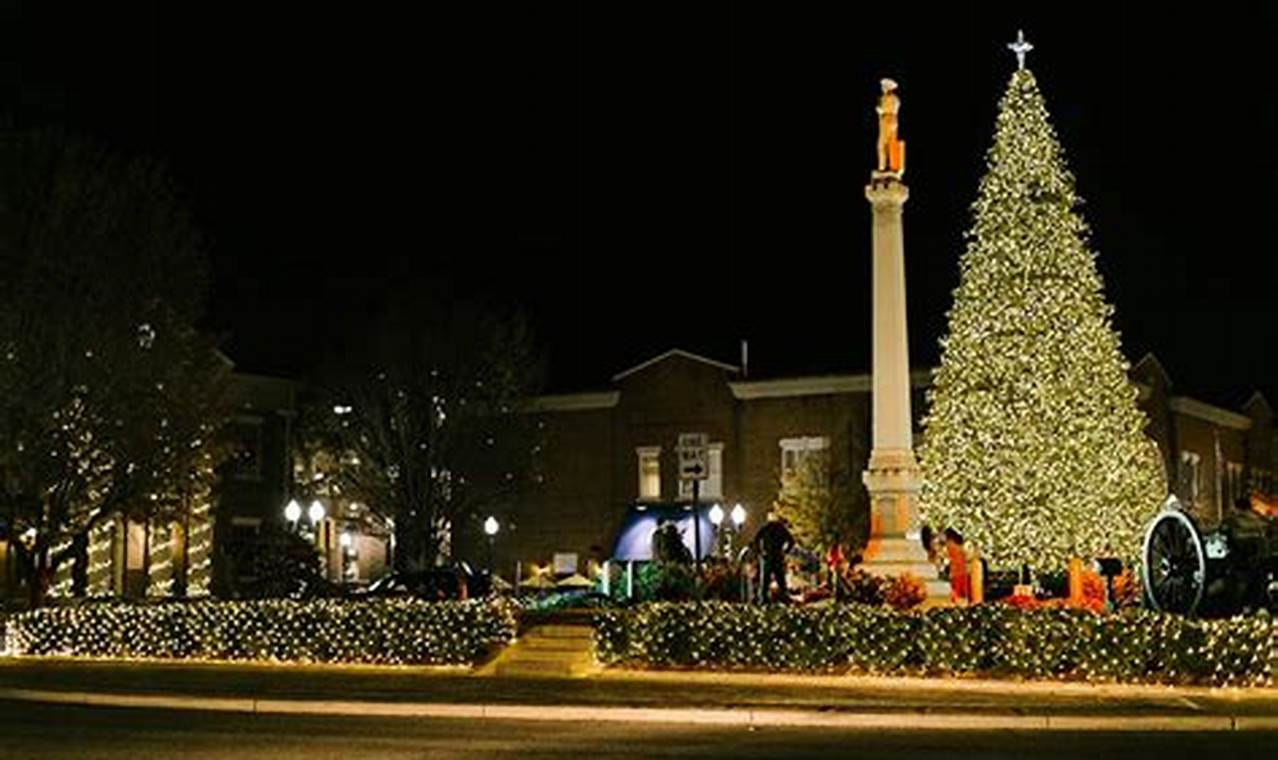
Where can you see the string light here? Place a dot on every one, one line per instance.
(159, 581)
(199, 548)
(1033, 445)
(101, 538)
(382, 631)
(61, 587)
(1135, 646)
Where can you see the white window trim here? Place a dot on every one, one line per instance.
(641, 453)
(1195, 463)
(1234, 480)
(805, 443)
(801, 446)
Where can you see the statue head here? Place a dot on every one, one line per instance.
(888, 85)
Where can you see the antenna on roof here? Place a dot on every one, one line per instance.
(745, 358)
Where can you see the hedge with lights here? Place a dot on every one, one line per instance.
(1136, 646)
(384, 631)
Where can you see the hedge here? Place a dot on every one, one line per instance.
(384, 631)
(1135, 646)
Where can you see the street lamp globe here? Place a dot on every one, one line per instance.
(316, 511)
(716, 515)
(738, 515)
(491, 526)
(292, 511)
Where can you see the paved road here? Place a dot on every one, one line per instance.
(36, 732)
(319, 682)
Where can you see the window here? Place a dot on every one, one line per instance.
(1188, 476)
(712, 486)
(246, 448)
(1234, 479)
(649, 471)
(1261, 480)
(795, 450)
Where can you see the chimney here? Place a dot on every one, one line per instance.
(745, 358)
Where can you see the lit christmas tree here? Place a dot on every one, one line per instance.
(1033, 446)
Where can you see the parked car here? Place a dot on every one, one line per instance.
(457, 581)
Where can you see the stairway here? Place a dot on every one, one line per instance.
(548, 651)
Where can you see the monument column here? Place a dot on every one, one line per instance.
(892, 477)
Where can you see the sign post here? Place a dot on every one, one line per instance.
(694, 465)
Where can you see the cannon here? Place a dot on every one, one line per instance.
(1189, 571)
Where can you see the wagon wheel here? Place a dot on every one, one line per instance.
(1174, 571)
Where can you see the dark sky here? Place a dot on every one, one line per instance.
(643, 176)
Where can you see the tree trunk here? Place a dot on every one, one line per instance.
(408, 544)
(37, 577)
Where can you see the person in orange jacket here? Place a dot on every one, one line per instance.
(960, 586)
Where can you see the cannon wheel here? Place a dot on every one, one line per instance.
(1174, 571)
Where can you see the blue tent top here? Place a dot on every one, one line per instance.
(634, 540)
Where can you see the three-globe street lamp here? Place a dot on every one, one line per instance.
(315, 514)
(293, 512)
(738, 516)
(716, 519)
(491, 526)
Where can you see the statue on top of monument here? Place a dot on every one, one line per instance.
(891, 148)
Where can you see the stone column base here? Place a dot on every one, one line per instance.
(894, 548)
(887, 556)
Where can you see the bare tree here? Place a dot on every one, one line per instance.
(109, 400)
(427, 429)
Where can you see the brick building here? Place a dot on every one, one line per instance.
(607, 452)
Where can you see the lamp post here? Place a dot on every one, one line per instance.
(716, 519)
(738, 516)
(347, 543)
(738, 519)
(316, 514)
(491, 526)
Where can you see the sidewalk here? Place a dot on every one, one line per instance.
(632, 696)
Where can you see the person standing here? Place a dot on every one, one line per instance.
(773, 542)
(1247, 533)
(835, 561)
(960, 587)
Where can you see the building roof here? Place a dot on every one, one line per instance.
(821, 385)
(818, 385)
(1150, 362)
(670, 354)
(1258, 401)
(1192, 407)
(575, 402)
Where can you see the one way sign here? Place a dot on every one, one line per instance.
(694, 460)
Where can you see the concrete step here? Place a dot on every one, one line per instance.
(537, 669)
(547, 655)
(557, 645)
(560, 632)
(547, 651)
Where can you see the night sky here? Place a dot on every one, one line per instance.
(643, 176)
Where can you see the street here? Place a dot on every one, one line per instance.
(35, 732)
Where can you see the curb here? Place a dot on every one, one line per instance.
(943, 684)
(739, 717)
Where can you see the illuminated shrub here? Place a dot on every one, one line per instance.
(383, 631)
(1135, 646)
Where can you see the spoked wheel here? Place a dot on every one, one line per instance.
(1174, 571)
